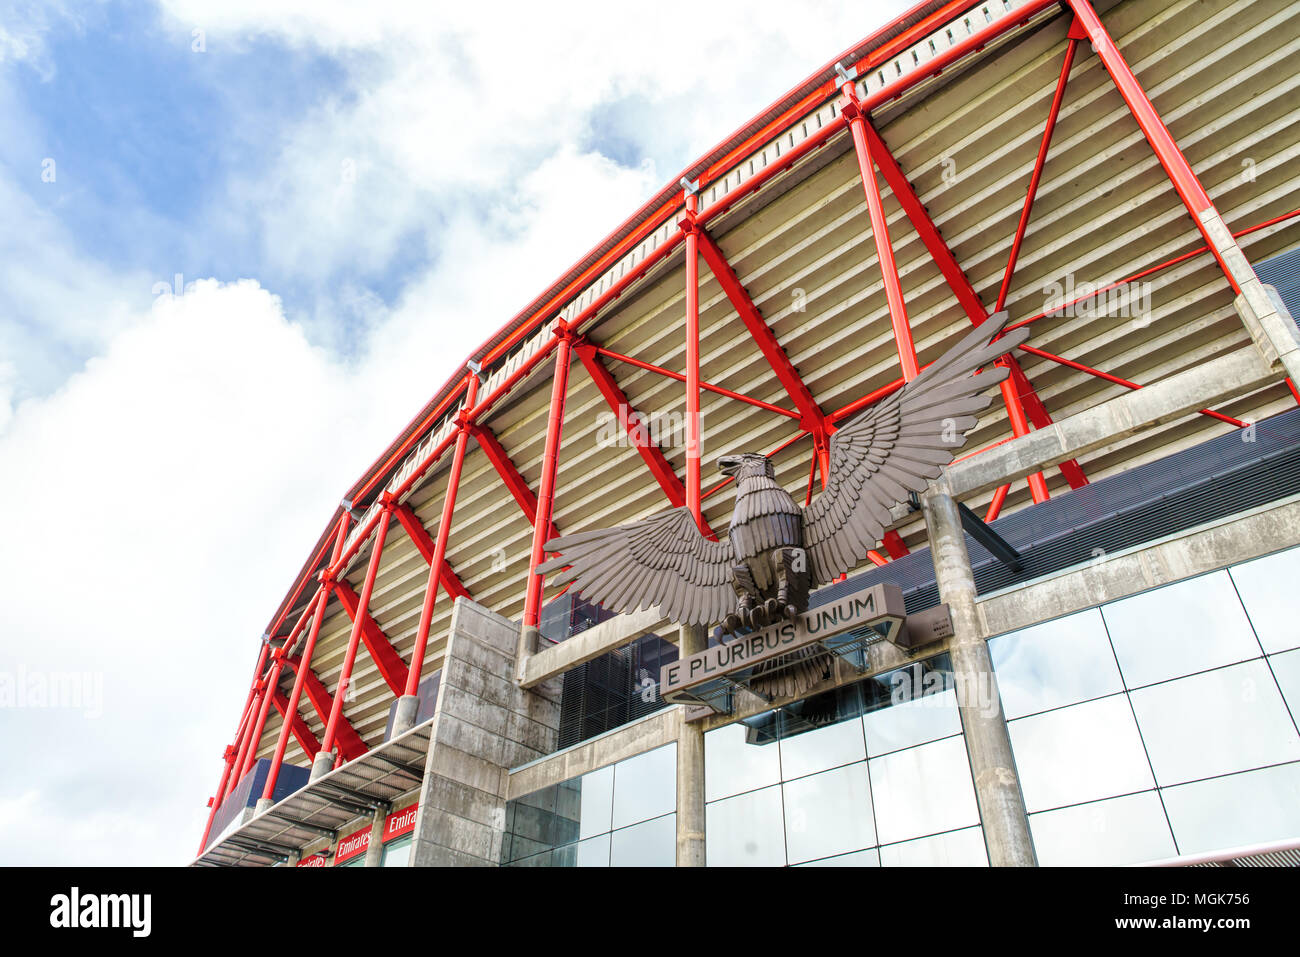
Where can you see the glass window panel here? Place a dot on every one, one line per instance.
(746, 831)
(1178, 629)
(1267, 587)
(1054, 664)
(925, 717)
(828, 813)
(1080, 753)
(397, 853)
(923, 791)
(593, 852)
(869, 858)
(648, 844)
(1231, 719)
(645, 786)
(1287, 670)
(824, 748)
(1123, 830)
(597, 790)
(732, 766)
(964, 848)
(1251, 808)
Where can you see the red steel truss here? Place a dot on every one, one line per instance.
(462, 406)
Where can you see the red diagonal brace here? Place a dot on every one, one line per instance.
(634, 424)
(425, 545)
(350, 743)
(952, 272)
(309, 743)
(515, 482)
(385, 656)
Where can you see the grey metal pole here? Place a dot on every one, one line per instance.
(988, 743)
(690, 769)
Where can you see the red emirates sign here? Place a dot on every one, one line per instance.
(352, 845)
(400, 822)
(316, 860)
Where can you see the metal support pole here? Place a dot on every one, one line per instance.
(219, 797)
(408, 704)
(324, 760)
(545, 498)
(692, 359)
(1019, 427)
(880, 232)
(988, 743)
(690, 769)
(304, 668)
(268, 692)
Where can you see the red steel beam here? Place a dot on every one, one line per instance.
(268, 687)
(322, 702)
(382, 652)
(1118, 381)
(681, 377)
(515, 483)
(440, 547)
(1036, 176)
(550, 463)
(1179, 171)
(693, 437)
(302, 734)
(853, 112)
(961, 286)
(426, 546)
(811, 416)
(378, 645)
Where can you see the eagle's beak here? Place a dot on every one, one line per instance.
(729, 464)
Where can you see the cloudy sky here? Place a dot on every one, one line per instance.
(241, 243)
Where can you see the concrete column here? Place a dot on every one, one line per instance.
(375, 850)
(988, 744)
(321, 765)
(690, 768)
(264, 804)
(408, 706)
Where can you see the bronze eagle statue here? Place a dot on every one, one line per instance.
(776, 551)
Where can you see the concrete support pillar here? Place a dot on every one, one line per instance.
(264, 804)
(375, 850)
(408, 706)
(322, 764)
(690, 769)
(988, 744)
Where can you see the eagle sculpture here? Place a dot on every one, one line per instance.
(776, 551)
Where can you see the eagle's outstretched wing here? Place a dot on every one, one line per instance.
(897, 446)
(662, 561)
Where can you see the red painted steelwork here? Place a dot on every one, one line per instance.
(693, 451)
(425, 545)
(381, 650)
(440, 548)
(707, 387)
(360, 615)
(322, 702)
(550, 463)
(309, 743)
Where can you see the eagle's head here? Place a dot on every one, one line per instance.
(746, 465)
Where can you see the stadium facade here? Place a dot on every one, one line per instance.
(1100, 661)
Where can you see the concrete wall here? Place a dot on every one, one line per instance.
(484, 725)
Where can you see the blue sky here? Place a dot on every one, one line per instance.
(356, 195)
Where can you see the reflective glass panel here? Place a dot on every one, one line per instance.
(913, 719)
(923, 791)
(1054, 664)
(1286, 668)
(1268, 589)
(593, 852)
(1122, 830)
(828, 813)
(822, 748)
(1251, 808)
(746, 831)
(645, 786)
(1231, 719)
(733, 765)
(597, 795)
(1080, 753)
(648, 844)
(857, 859)
(1178, 629)
(964, 848)
(397, 853)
